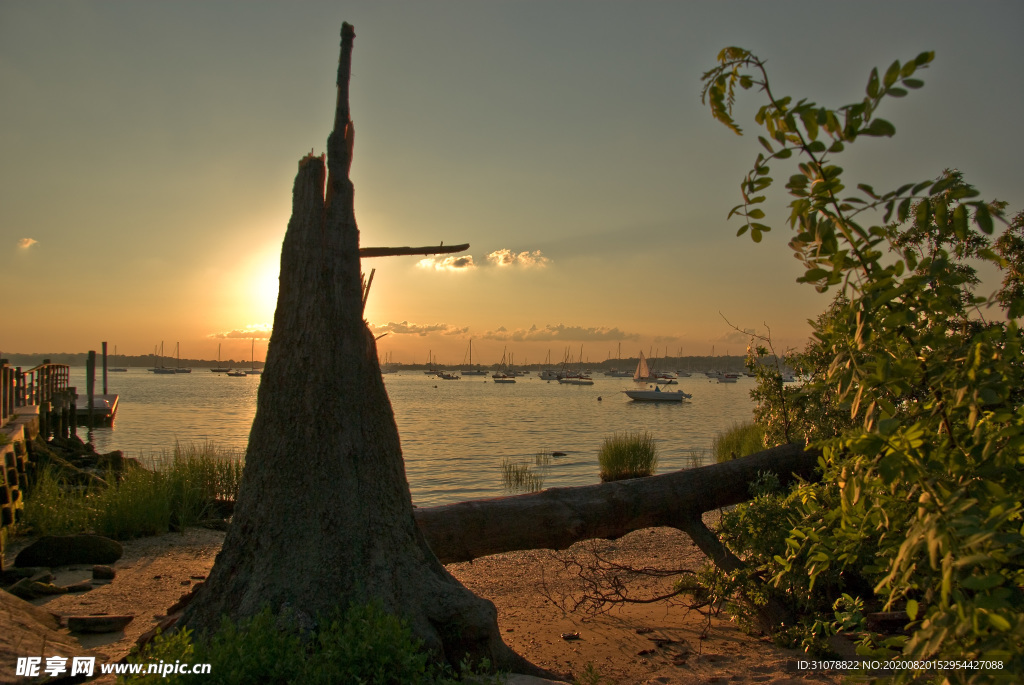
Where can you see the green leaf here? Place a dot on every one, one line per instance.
(765, 143)
(912, 83)
(880, 127)
(983, 218)
(873, 84)
(756, 214)
(912, 609)
(903, 211)
(998, 622)
(923, 213)
(897, 92)
(960, 222)
(892, 74)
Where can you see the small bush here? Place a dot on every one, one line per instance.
(177, 493)
(628, 455)
(362, 644)
(739, 441)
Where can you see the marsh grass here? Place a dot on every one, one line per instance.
(174, 491)
(739, 441)
(521, 476)
(627, 455)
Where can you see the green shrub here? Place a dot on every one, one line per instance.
(627, 455)
(362, 644)
(739, 441)
(53, 508)
(177, 493)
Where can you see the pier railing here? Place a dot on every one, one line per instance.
(46, 386)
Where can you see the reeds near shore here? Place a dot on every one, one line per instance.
(524, 476)
(173, 491)
(739, 441)
(628, 455)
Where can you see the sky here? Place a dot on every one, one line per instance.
(148, 150)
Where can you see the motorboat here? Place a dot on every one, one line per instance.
(657, 395)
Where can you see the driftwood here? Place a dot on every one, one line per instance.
(559, 517)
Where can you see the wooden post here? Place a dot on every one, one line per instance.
(104, 368)
(90, 383)
(73, 412)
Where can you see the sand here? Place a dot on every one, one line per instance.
(535, 591)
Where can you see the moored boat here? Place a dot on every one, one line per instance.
(657, 395)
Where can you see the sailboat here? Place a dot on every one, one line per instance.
(254, 371)
(219, 368)
(577, 377)
(548, 373)
(502, 375)
(472, 370)
(178, 369)
(162, 369)
(118, 368)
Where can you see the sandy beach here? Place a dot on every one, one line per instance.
(662, 643)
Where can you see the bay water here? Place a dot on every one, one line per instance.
(455, 434)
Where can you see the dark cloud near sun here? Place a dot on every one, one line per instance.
(422, 330)
(551, 333)
(259, 331)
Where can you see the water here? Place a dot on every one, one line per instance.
(455, 434)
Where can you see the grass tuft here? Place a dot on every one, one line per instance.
(523, 476)
(176, 490)
(739, 441)
(628, 455)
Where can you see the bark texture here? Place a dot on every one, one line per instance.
(558, 517)
(324, 516)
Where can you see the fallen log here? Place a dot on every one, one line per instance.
(559, 517)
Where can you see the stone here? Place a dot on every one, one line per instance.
(65, 550)
(98, 624)
(103, 573)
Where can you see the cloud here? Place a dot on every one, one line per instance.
(559, 332)
(260, 331)
(422, 330)
(463, 264)
(527, 259)
(735, 337)
(26, 243)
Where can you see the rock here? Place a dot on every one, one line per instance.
(30, 631)
(65, 550)
(98, 624)
(29, 589)
(21, 589)
(103, 573)
(84, 586)
(9, 576)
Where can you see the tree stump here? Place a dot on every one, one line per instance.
(324, 515)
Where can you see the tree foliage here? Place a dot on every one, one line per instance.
(914, 390)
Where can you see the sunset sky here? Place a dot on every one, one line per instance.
(147, 153)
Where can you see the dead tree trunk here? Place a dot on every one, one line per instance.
(558, 517)
(324, 515)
